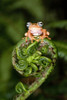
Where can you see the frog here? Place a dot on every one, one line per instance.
(36, 32)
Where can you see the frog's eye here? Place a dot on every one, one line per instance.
(28, 24)
(40, 24)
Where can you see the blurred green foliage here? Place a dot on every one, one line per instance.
(13, 17)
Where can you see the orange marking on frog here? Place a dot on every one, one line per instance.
(36, 30)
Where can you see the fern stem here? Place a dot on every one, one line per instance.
(35, 85)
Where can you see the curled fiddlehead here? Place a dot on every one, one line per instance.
(33, 60)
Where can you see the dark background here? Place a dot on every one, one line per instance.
(14, 14)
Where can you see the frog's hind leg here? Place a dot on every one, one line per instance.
(42, 37)
(32, 38)
(47, 37)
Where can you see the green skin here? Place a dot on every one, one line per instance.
(33, 59)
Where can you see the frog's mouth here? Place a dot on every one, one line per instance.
(36, 32)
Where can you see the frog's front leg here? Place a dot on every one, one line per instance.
(30, 35)
(32, 38)
(43, 34)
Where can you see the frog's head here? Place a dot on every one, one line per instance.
(35, 28)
